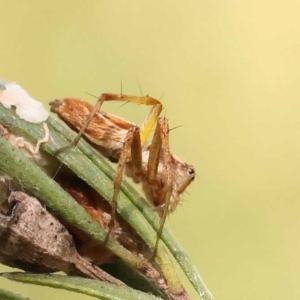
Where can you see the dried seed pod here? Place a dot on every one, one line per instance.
(33, 240)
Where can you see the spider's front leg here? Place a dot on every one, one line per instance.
(161, 180)
(131, 150)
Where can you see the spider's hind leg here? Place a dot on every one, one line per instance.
(96, 108)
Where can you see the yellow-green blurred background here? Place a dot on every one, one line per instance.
(229, 71)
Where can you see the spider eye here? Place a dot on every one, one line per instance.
(192, 173)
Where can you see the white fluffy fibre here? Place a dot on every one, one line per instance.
(27, 108)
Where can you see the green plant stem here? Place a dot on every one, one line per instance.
(10, 295)
(100, 290)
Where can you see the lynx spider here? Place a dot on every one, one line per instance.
(163, 175)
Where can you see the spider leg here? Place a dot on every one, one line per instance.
(160, 153)
(131, 149)
(151, 119)
(96, 107)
